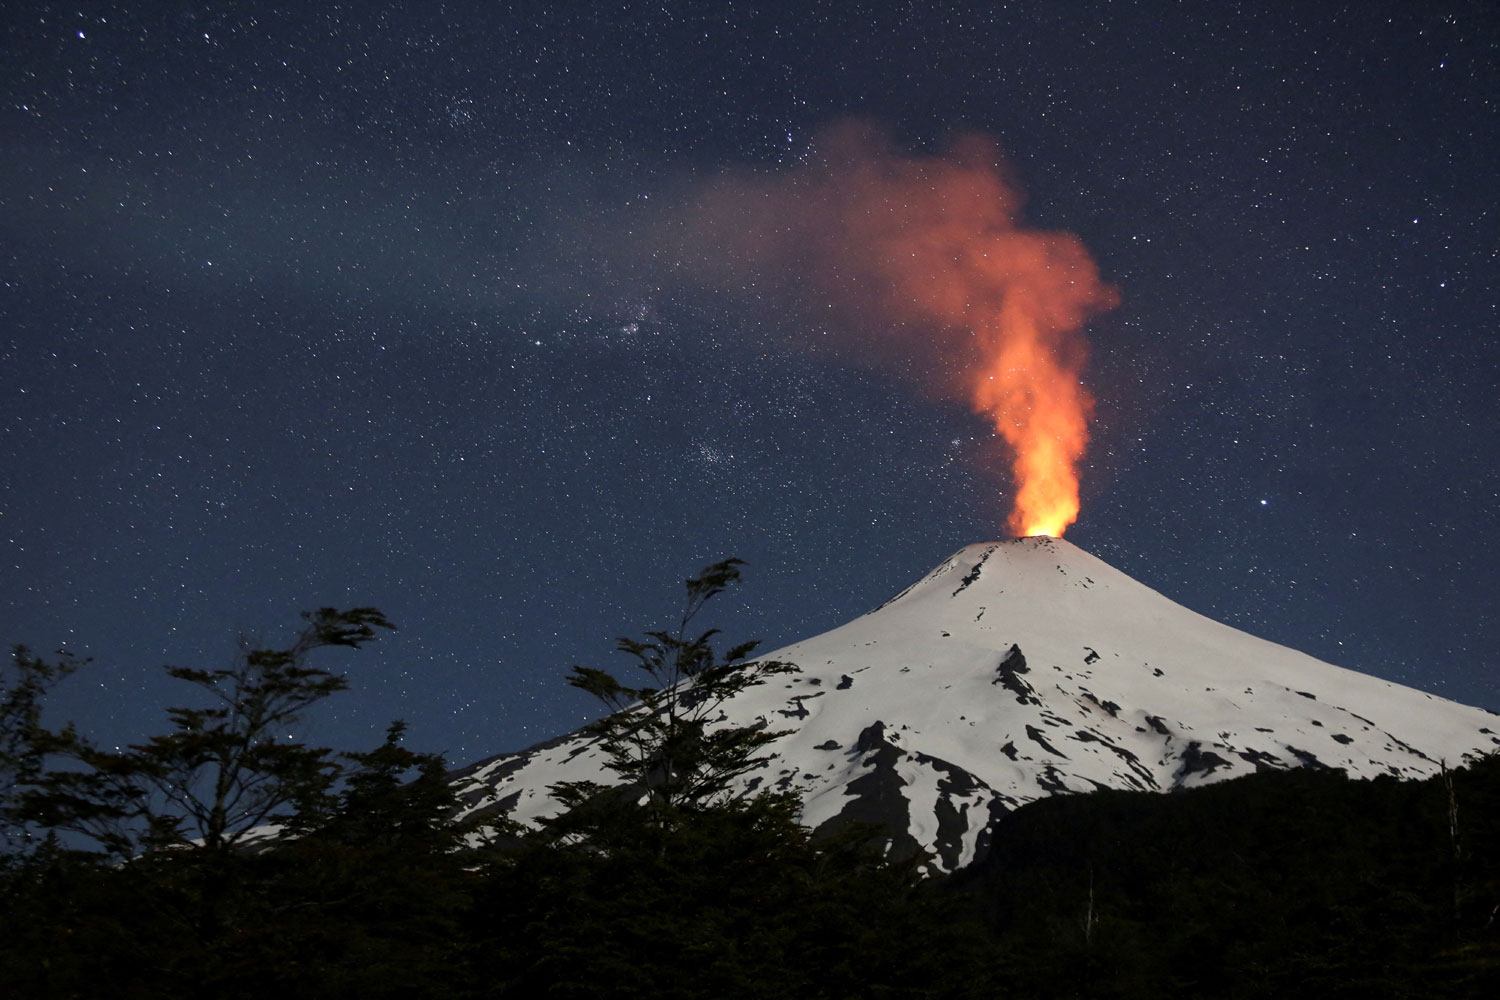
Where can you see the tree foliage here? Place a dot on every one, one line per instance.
(1278, 884)
(222, 771)
(1300, 882)
(24, 684)
(739, 903)
(665, 738)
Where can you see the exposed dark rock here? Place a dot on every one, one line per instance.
(1036, 737)
(1140, 775)
(1263, 761)
(845, 682)
(1307, 759)
(512, 762)
(973, 574)
(871, 737)
(500, 808)
(1407, 747)
(1008, 676)
(1196, 760)
(875, 797)
(955, 785)
(1107, 706)
(798, 710)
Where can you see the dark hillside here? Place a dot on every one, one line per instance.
(1278, 883)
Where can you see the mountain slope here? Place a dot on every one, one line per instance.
(1027, 668)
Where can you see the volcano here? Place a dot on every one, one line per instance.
(1022, 669)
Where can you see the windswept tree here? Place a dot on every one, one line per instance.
(675, 883)
(224, 770)
(24, 684)
(665, 738)
(393, 798)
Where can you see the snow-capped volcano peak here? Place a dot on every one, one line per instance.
(1027, 668)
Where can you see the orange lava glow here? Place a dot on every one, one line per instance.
(1028, 381)
(1041, 410)
(923, 265)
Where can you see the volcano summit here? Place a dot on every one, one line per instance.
(1021, 669)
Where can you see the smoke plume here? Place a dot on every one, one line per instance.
(920, 264)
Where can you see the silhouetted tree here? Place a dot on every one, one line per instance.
(367, 903)
(221, 772)
(664, 738)
(24, 743)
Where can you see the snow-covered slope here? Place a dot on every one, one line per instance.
(1027, 668)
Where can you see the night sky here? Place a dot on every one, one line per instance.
(333, 304)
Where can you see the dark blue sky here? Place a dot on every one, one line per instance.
(311, 305)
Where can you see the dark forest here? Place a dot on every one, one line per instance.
(148, 871)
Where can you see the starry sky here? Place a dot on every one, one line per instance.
(334, 304)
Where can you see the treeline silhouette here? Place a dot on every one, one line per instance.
(151, 871)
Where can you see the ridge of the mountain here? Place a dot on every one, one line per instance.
(1026, 668)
